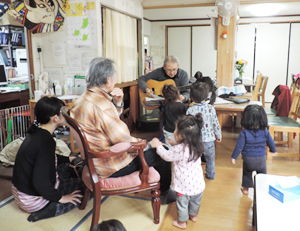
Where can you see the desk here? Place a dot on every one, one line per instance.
(269, 213)
(14, 99)
(229, 109)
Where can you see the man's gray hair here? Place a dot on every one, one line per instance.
(100, 69)
(171, 59)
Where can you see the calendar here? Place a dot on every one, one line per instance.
(81, 24)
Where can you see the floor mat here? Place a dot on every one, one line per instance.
(135, 213)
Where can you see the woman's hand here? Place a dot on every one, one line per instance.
(117, 95)
(232, 160)
(155, 143)
(71, 198)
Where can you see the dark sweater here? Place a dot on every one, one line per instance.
(252, 143)
(34, 170)
(171, 113)
(159, 74)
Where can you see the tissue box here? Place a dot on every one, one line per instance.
(284, 195)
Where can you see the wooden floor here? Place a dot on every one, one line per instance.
(223, 206)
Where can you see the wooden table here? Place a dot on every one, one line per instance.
(229, 109)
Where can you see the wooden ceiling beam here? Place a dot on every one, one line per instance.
(212, 4)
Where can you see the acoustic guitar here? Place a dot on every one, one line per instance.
(156, 87)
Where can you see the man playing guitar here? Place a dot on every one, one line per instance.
(169, 70)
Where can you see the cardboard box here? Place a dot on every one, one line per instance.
(284, 195)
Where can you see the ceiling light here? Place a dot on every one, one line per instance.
(265, 9)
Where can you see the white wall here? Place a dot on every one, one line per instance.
(45, 40)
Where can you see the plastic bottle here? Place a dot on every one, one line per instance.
(64, 90)
(58, 89)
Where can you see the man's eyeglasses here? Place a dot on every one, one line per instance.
(171, 70)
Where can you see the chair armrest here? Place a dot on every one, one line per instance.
(118, 149)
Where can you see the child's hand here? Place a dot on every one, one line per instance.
(273, 153)
(155, 143)
(218, 140)
(232, 160)
(171, 141)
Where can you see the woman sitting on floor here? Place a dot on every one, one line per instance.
(37, 187)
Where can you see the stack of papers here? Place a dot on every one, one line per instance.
(155, 98)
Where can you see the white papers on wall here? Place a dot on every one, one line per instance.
(54, 74)
(59, 53)
(79, 60)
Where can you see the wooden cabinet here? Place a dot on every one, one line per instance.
(14, 99)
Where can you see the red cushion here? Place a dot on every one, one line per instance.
(122, 182)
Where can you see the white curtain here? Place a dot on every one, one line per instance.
(120, 43)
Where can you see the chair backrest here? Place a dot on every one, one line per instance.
(258, 85)
(295, 107)
(77, 132)
(263, 85)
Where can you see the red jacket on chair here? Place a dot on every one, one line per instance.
(282, 101)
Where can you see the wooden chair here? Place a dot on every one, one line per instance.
(272, 111)
(287, 124)
(145, 179)
(262, 90)
(259, 90)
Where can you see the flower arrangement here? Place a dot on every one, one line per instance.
(240, 66)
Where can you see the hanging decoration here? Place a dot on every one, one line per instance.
(39, 16)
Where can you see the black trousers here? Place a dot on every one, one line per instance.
(153, 160)
(251, 164)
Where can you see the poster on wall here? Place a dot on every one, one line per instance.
(39, 16)
(81, 24)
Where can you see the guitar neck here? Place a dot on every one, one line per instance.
(182, 88)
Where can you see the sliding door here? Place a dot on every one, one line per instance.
(204, 57)
(179, 44)
(271, 56)
(245, 41)
(294, 58)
